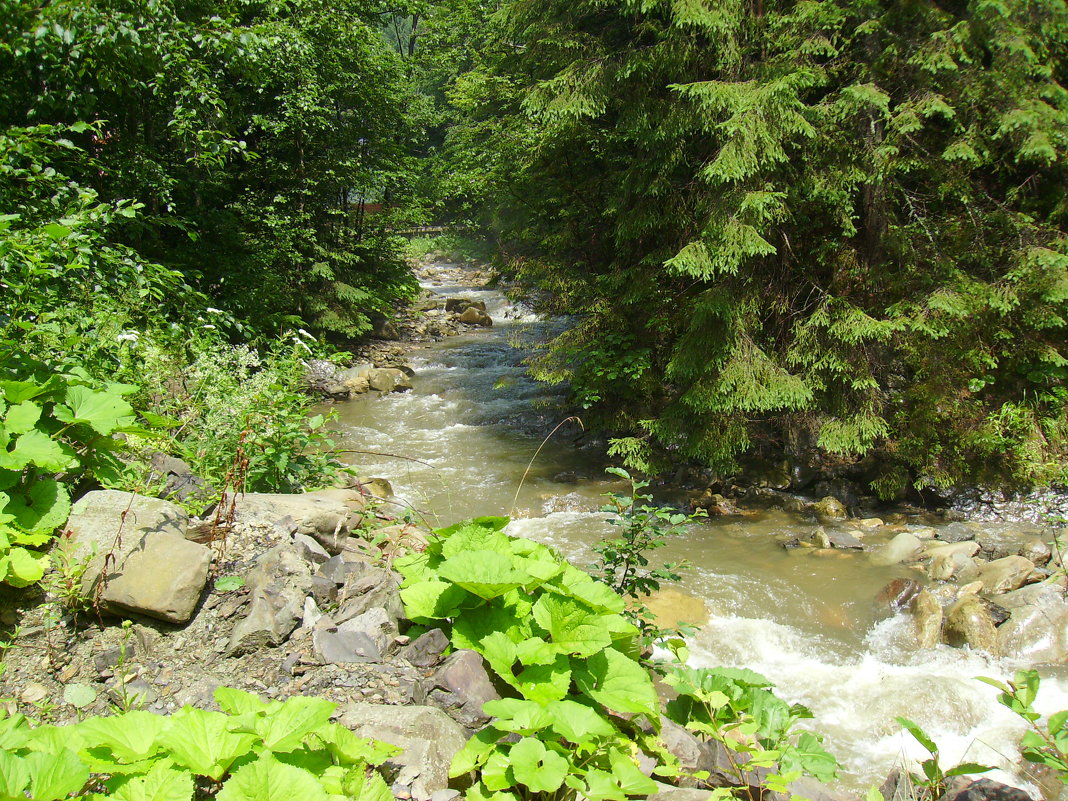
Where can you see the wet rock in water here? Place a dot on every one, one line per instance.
(936, 549)
(898, 594)
(715, 504)
(378, 487)
(138, 585)
(426, 650)
(829, 509)
(870, 522)
(900, 549)
(958, 532)
(986, 790)
(1005, 574)
(969, 622)
(815, 538)
(428, 737)
(998, 541)
(461, 686)
(1036, 550)
(388, 379)
(946, 566)
(1037, 628)
(459, 305)
(844, 540)
(927, 619)
(473, 316)
(109, 522)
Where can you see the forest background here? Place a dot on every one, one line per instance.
(831, 231)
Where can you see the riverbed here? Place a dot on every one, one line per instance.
(461, 443)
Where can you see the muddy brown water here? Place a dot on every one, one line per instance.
(806, 621)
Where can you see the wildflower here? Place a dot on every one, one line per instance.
(305, 334)
(127, 336)
(213, 310)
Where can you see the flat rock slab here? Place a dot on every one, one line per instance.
(1006, 574)
(429, 739)
(900, 549)
(327, 515)
(111, 522)
(163, 577)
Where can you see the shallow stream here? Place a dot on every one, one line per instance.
(808, 622)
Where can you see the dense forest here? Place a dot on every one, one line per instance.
(831, 231)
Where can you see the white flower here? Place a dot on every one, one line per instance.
(127, 336)
(208, 327)
(213, 310)
(305, 334)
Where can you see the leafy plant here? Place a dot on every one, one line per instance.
(932, 784)
(251, 751)
(736, 708)
(559, 641)
(624, 564)
(1044, 742)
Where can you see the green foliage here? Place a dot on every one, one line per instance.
(623, 563)
(558, 639)
(832, 226)
(1045, 742)
(932, 784)
(251, 751)
(737, 708)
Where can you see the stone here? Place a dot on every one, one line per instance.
(373, 587)
(461, 686)
(461, 304)
(900, 549)
(816, 538)
(312, 615)
(1037, 628)
(947, 565)
(986, 790)
(310, 549)
(1005, 574)
(844, 540)
(323, 590)
(1037, 551)
(927, 619)
(376, 624)
(958, 532)
(163, 577)
(429, 739)
(898, 594)
(935, 549)
(34, 693)
(388, 379)
(969, 622)
(812, 790)
(328, 516)
(177, 478)
(870, 522)
(256, 631)
(473, 316)
(337, 570)
(829, 509)
(111, 522)
(381, 328)
(426, 650)
(378, 487)
(333, 646)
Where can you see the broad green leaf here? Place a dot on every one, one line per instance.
(102, 411)
(500, 653)
(53, 739)
(370, 788)
(497, 773)
(349, 749)
(619, 683)
(238, 702)
(285, 728)
(56, 232)
(967, 768)
(37, 448)
(469, 630)
(517, 715)
(597, 594)
(602, 786)
(45, 507)
(79, 695)
(131, 737)
(55, 776)
(487, 574)
(202, 742)
(25, 567)
(545, 683)
(19, 391)
(535, 651)
(229, 583)
(14, 731)
(921, 736)
(539, 768)
(809, 756)
(475, 751)
(163, 783)
(22, 417)
(579, 723)
(432, 600)
(14, 775)
(267, 779)
(626, 773)
(574, 628)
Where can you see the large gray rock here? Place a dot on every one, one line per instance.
(969, 622)
(426, 650)
(901, 548)
(1037, 629)
(428, 737)
(927, 619)
(374, 586)
(163, 577)
(1005, 574)
(277, 587)
(388, 379)
(986, 790)
(336, 646)
(328, 516)
(108, 524)
(376, 624)
(946, 566)
(461, 686)
(473, 316)
(830, 509)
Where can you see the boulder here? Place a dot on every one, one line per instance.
(1005, 574)
(109, 522)
(473, 316)
(947, 565)
(844, 540)
(670, 608)
(163, 577)
(461, 686)
(1036, 550)
(376, 624)
(958, 532)
(334, 645)
(1037, 628)
(927, 619)
(176, 477)
(900, 549)
(388, 379)
(985, 790)
(378, 487)
(459, 305)
(935, 549)
(969, 622)
(374, 586)
(381, 328)
(428, 737)
(328, 516)
(426, 650)
(898, 594)
(830, 509)
(277, 587)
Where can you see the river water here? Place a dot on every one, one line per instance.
(807, 622)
